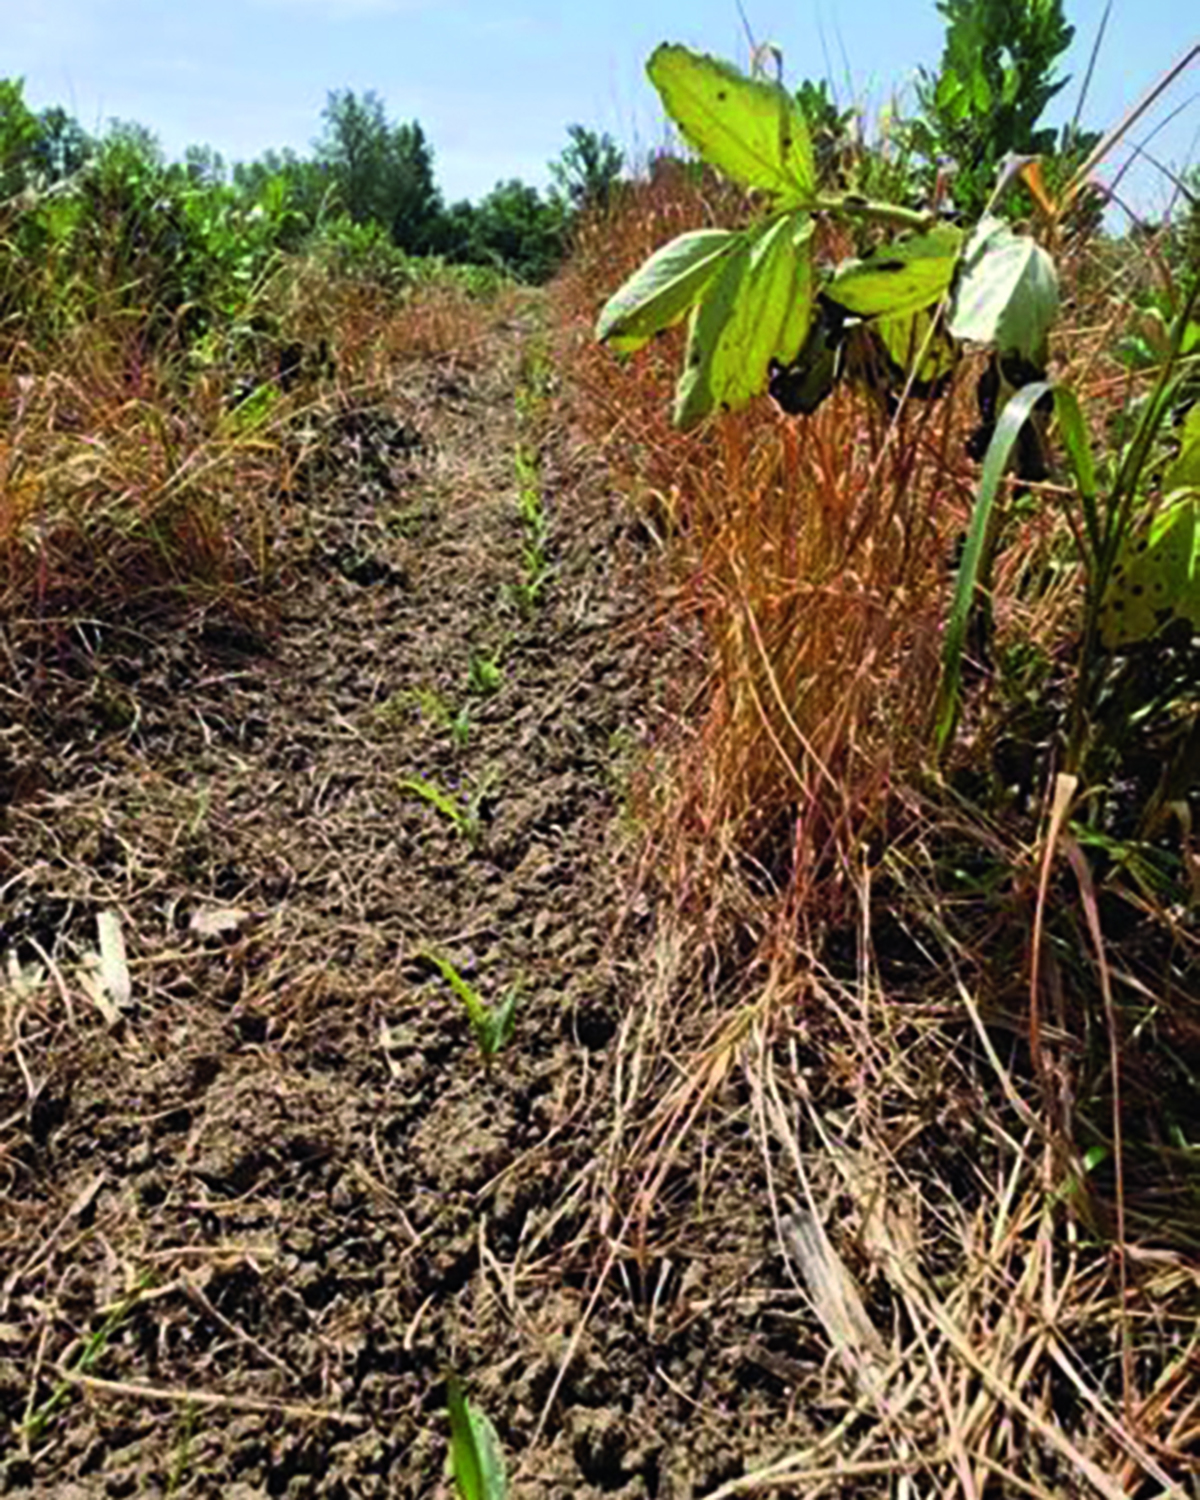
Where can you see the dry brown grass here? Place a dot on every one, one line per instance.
(130, 481)
(814, 559)
(1041, 1336)
(119, 488)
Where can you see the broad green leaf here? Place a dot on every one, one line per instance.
(662, 290)
(749, 129)
(904, 338)
(1007, 293)
(476, 1457)
(949, 89)
(982, 99)
(1008, 429)
(1184, 473)
(901, 277)
(1156, 578)
(757, 309)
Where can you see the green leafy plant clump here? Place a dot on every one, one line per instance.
(757, 303)
(762, 314)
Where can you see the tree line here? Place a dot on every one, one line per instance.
(367, 176)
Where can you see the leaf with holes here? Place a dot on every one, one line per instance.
(906, 275)
(1156, 578)
(664, 289)
(1185, 471)
(750, 129)
(907, 339)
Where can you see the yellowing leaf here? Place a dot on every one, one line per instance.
(1184, 473)
(758, 309)
(904, 339)
(1157, 576)
(749, 129)
(902, 277)
(664, 287)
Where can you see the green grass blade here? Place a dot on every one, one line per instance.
(502, 1021)
(464, 1454)
(1012, 419)
(477, 1011)
(491, 1455)
(1074, 433)
(431, 794)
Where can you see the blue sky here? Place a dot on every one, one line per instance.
(494, 83)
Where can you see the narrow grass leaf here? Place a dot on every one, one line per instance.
(464, 1456)
(492, 1027)
(836, 1300)
(477, 1011)
(1008, 428)
(1073, 430)
(502, 1020)
(476, 1457)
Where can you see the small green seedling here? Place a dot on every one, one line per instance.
(462, 812)
(484, 675)
(529, 492)
(493, 1025)
(429, 705)
(476, 1459)
(94, 1347)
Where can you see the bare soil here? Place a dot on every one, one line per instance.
(251, 1221)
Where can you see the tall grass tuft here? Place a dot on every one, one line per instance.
(121, 483)
(812, 555)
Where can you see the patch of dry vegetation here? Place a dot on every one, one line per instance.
(998, 1243)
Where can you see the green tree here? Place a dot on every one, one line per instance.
(382, 173)
(995, 80)
(518, 230)
(587, 170)
(63, 147)
(20, 133)
(289, 187)
(204, 166)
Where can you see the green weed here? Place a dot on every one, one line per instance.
(408, 521)
(484, 675)
(463, 811)
(427, 704)
(36, 1423)
(493, 1025)
(536, 566)
(530, 505)
(182, 1457)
